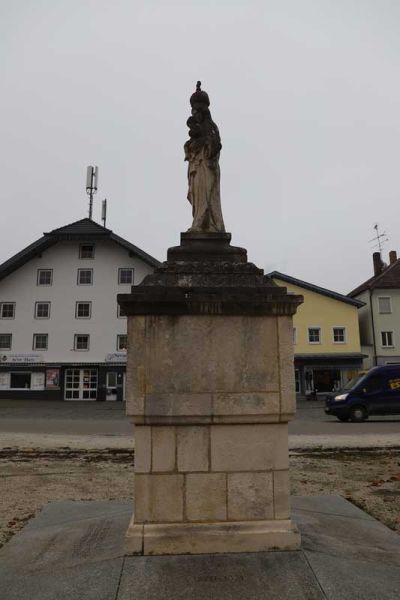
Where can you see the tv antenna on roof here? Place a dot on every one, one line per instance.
(92, 176)
(379, 239)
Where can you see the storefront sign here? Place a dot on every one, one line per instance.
(21, 358)
(53, 379)
(116, 357)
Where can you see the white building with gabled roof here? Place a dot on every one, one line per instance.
(62, 335)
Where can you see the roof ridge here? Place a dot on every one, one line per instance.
(373, 281)
(316, 288)
(85, 221)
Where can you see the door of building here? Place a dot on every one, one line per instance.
(80, 384)
(111, 385)
(308, 381)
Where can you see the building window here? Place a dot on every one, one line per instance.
(7, 310)
(86, 251)
(83, 310)
(85, 276)
(42, 310)
(125, 276)
(314, 335)
(5, 341)
(385, 305)
(120, 312)
(81, 342)
(45, 276)
(387, 339)
(20, 381)
(40, 341)
(339, 335)
(122, 342)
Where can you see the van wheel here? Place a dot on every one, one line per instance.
(343, 419)
(358, 414)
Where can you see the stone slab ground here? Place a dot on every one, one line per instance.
(75, 551)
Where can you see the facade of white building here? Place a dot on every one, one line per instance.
(380, 316)
(61, 332)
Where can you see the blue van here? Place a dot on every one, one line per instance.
(377, 392)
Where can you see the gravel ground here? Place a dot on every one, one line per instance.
(32, 478)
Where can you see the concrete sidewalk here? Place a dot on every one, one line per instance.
(75, 551)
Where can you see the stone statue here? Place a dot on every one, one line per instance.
(202, 153)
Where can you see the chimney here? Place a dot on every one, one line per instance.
(392, 256)
(378, 264)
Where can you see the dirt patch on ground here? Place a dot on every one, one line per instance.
(31, 479)
(369, 479)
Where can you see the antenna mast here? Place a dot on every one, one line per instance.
(92, 174)
(379, 239)
(104, 211)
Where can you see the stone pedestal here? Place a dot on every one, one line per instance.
(210, 389)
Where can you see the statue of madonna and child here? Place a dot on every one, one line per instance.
(202, 153)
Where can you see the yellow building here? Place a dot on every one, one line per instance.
(326, 336)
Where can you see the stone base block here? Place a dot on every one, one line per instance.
(212, 538)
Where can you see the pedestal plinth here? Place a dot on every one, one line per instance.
(210, 389)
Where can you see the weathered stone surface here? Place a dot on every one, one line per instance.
(178, 404)
(193, 445)
(249, 447)
(135, 369)
(134, 538)
(70, 551)
(219, 537)
(286, 365)
(163, 441)
(158, 498)
(205, 497)
(281, 494)
(240, 403)
(74, 551)
(208, 354)
(250, 496)
(142, 448)
(274, 575)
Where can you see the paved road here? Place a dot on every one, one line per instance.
(108, 418)
(311, 419)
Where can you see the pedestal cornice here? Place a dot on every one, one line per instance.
(205, 275)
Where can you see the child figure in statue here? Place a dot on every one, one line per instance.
(202, 153)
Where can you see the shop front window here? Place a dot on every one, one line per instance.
(20, 381)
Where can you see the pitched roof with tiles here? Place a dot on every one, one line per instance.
(316, 288)
(84, 229)
(388, 279)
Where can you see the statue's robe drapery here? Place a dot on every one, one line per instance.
(204, 187)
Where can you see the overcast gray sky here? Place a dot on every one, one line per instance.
(305, 93)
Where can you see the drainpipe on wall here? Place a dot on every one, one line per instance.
(373, 326)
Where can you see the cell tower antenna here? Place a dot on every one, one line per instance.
(92, 177)
(379, 239)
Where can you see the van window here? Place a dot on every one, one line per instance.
(373, 384)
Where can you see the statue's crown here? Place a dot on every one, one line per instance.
(199, 96)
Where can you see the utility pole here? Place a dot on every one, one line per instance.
(91, 186)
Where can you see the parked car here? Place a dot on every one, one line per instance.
(376, 392)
